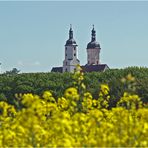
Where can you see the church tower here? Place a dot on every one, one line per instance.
(70, 62)
(93, 50)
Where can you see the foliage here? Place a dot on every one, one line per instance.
(14, 71)
(75, 119)
(37, 83)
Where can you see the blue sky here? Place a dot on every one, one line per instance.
(33, 34)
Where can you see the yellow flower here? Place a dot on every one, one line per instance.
(71, 93)
(130, 77)
(87, 95)
(47, 95)
(104, 90)
(75, 120)
(28, 99)
(63, 103)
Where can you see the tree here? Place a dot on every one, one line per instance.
(14, 71)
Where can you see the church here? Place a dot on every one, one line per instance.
(71, 60)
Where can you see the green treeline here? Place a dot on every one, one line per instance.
(37, 83)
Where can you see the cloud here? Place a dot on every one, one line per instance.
(28, 63)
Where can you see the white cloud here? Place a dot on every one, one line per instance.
(28, 63)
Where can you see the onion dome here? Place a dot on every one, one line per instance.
(93, 44)
(71, 40)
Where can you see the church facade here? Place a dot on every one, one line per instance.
(71, 60)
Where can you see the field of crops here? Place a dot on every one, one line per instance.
(75, 119)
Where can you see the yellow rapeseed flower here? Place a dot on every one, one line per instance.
(71, 93)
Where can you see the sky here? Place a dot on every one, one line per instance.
(33, 33)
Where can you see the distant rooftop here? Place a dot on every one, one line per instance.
(57, 69)
(86, 68)
(96, 68)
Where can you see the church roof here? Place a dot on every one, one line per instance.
(93, 44)
(85, 68)
(71, 40)
(94, 68)
(57, 69)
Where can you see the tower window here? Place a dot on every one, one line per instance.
(74, 54)
(66, 69)
(66, 55)
(74, 48)
(66, 48)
